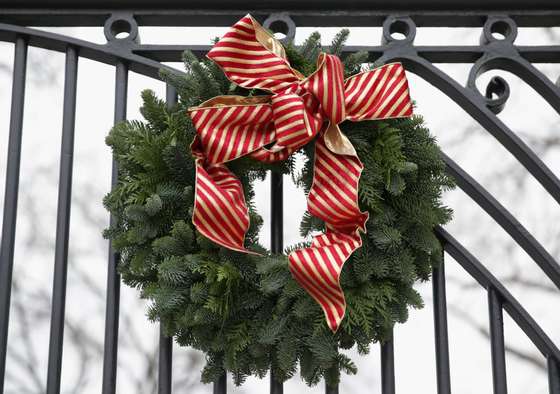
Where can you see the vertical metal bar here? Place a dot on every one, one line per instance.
(113, 278)
(220, 387)
(497, 342)
(276, 240)
(11, 197)
(388, 367)
(277, 212)
(553, 376)
(166, 343)
(63, 223)
(165, 363)
(275, 386)
(440, 329)
(331, 389)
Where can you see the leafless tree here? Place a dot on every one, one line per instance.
(31, 305)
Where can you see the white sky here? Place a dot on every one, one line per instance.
(481, 155)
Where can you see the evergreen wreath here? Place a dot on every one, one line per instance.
(245, 312)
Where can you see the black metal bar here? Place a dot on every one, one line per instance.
(388, 366)
(11, 197)
(113, 278)
(331, 389)
(474, 106)
(440, 329)
(165, 363)
(553, 375)
(322, 5)
(63, 223)
(505, 219)
(165, 342)
(276, 212)
(497, 342)
(220, 387)
(109, 54)
(434, 54)
(226, 16)
(276, 239)
(142, 59)
(485, 278)
(275, 386)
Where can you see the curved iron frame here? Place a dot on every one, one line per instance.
(129, 55)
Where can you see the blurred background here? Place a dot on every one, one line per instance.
(462, 138)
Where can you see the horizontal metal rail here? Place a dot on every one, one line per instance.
(315, 13)
(293, 5)
(432, 53)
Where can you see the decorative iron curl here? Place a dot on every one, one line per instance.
(500, 53)
(498, 35)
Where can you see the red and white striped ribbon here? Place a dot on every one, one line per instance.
(298, 110)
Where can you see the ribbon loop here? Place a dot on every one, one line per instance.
(327, 85)
(252, 58)
(227, 132)
(378, 94)
(299, 109)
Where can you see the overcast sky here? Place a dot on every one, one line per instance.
(475, 150)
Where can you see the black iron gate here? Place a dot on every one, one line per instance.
(396, 16)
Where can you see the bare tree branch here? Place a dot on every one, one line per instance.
(524, 355)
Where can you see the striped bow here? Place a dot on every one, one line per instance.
(270, 128)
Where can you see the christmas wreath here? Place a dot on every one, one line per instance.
(186, 229)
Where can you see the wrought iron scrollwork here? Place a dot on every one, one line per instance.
(119, 23)
(283, 24)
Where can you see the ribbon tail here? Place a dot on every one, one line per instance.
(334, 199)
(220, 212)
(317, 269)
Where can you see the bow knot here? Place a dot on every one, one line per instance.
(270, 128)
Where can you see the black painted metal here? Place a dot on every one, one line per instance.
(63, 223)
(441, 337)
(405, 16)
(275, 386)
(304, 13)
(514, 309)
(553, 375)
(322, 5)
(276, 238)
(434, 54)
(505, 219)
(220, 387)
(109, 54)
(113, 277)
(277, 212)
(165, 364)
(388, 367)
(11, 197)
(498, 353)
(331, 389)
(474, 105)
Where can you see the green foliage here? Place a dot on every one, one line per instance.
(338, 42)
(309, 51)
(245, 312)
